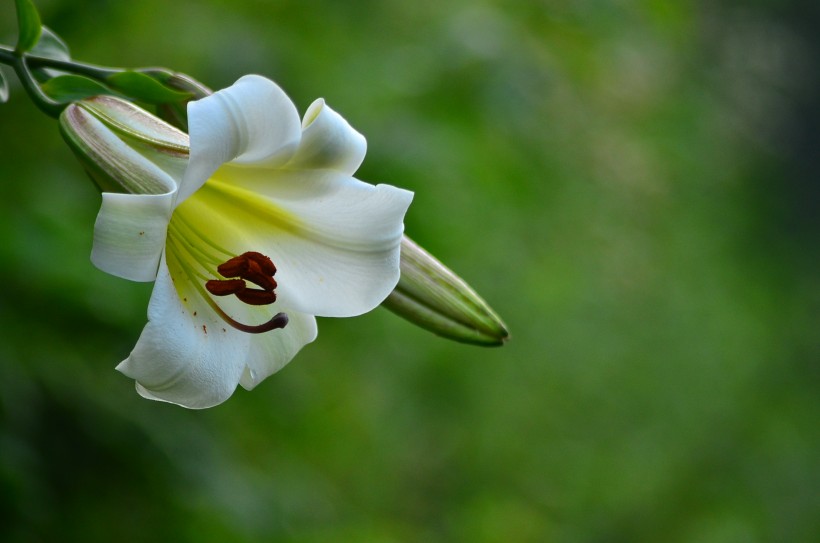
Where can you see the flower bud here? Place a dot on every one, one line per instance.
(431, 296)
(124, 148)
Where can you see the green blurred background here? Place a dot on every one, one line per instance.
(632, 185)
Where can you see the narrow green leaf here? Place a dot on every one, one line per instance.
(29, 26)
(50, 45)
(178, 81)
(145, 88)
(4, 89)
(70, 88)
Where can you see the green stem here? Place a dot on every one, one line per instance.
(40, 99)
(81, 68)
(8, 56)
(23, 63)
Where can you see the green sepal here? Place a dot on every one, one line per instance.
(144, 88)
(28, 24)
(431, 296)
(65, 89)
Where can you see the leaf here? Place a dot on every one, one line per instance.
(4, 89)
(70, 88)
(178, 81)
(50, 45)
(145, 88)
(29, 26)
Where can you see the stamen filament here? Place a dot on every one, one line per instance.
(180, 218)
(193, 251)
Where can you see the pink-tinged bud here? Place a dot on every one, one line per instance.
(124, 148)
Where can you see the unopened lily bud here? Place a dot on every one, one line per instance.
(124, 148)
(431, 296)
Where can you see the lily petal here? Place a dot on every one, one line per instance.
(186, 354)
(129, 235)
(328, 141)
(271, 351)
(334, 239)
(252, 121)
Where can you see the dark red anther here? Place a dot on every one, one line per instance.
(235, 267)
(264, 262)
(255, 274)
(225, 287)
(250, 261)
(253, 296)
(256, 268)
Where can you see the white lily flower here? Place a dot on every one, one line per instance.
(263, 193)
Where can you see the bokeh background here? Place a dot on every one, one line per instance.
(632, 185)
